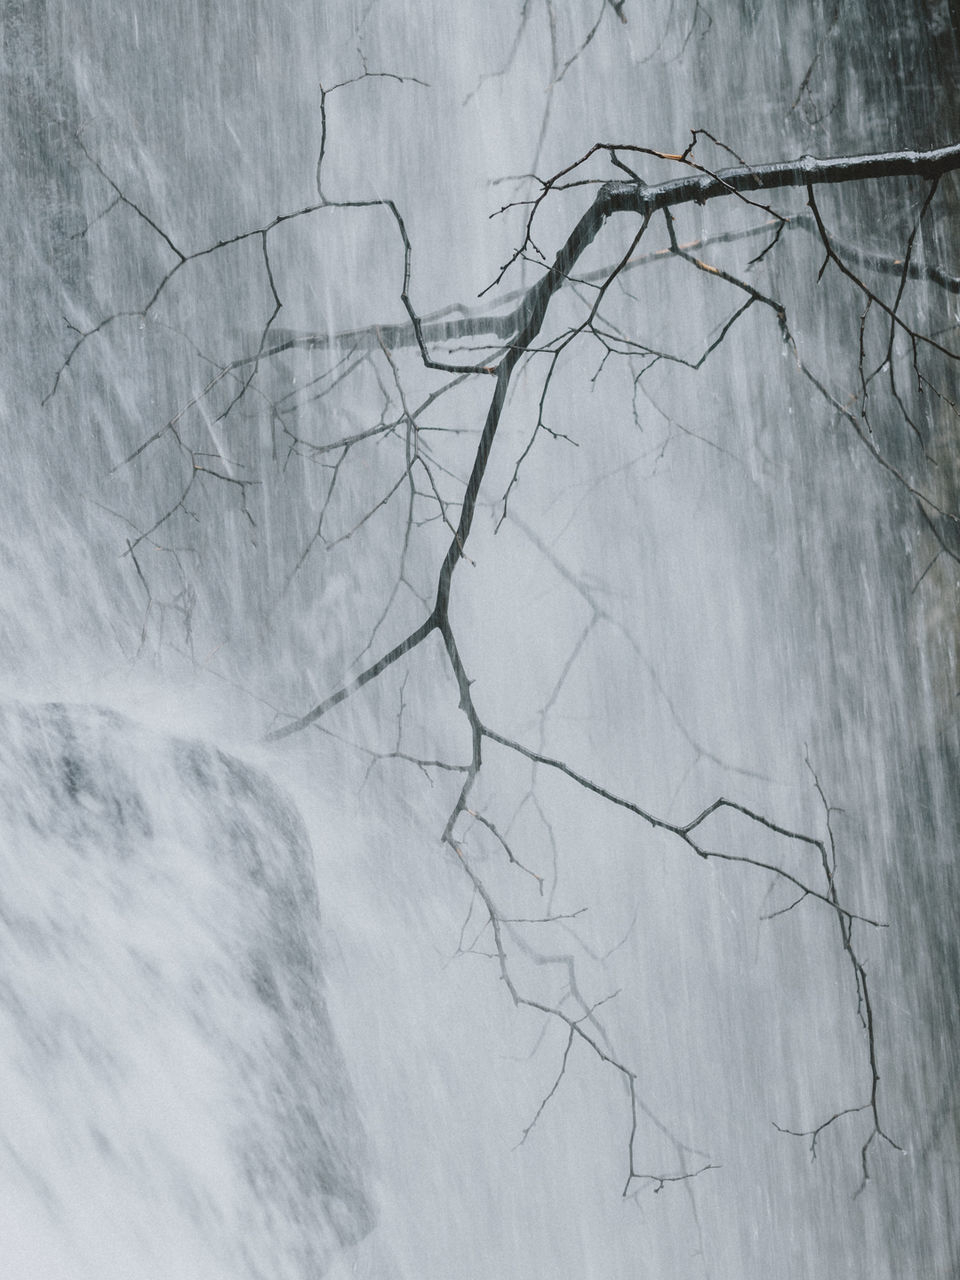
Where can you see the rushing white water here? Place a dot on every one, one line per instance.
(174, 1103)
(704, 586)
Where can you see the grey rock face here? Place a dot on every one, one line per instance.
(173, 1103)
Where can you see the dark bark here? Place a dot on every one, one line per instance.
(527, 319)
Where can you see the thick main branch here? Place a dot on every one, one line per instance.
(636, 197)
(527, 319)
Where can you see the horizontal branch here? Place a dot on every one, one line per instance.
(637, 197)
(457, 323)
(698, 188)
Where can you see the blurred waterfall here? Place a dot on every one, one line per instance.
(174, 1102)
(704, 586)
